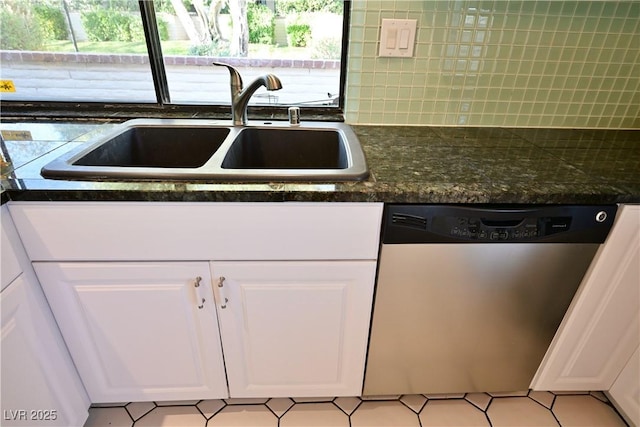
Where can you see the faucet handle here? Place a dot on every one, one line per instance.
(236, 78)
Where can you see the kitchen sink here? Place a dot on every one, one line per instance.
(264, 148)
(185, 149)
(164, 147)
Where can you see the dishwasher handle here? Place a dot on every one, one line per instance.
(503, 223)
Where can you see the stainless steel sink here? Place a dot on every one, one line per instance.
(216, 151)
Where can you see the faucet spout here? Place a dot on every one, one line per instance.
(240, 97)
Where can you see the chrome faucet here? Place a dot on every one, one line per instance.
(240, 97)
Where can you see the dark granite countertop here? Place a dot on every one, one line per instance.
(408, 165)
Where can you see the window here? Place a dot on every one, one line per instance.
(159, 52)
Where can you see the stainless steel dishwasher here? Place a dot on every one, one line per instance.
(469, 298)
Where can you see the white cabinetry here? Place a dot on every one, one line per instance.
(40, 385)
(602, 327)
(294, 308)
(9, 243)
(625, 391)
(295, 328)
(116, 231)
(138, 331)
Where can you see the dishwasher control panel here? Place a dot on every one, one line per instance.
(494, 230)
(495, 224)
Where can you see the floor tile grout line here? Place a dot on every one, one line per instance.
(360, 401)
(483, 410)
(553, 414)
(411, 409)
(134, 420)
(610, 405)
(541, 404)
(343, 411)
(487, 417)
(206, 420)
(274, 412)
(550, 408)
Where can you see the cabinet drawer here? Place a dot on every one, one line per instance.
(197, 231)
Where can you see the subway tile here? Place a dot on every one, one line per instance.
(509, 42)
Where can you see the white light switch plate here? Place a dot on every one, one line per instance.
(397, 37)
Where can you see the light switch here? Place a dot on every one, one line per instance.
(404, 39)
(392, 35)
(397, 37)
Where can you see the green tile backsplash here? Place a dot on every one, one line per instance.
(498, 63)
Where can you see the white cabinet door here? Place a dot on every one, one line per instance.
(625, 391)
(136, 330)
(40, 386)
(602, 327)
(294, 328)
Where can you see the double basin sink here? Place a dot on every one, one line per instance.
(185, 149)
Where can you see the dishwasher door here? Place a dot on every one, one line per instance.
(469, 298)
(456, 318)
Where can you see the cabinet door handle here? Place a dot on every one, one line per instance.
(199, 291)
(218, 290)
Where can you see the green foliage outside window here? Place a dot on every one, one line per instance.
(113, 25)
(51, 21)
(286, 7)
(214, 48)
(19, 30)
(299, 34)
(327, 48)
(106, 25)
(260, 20)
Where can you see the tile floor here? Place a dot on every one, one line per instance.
(532, 408)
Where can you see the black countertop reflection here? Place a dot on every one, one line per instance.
(408, 165)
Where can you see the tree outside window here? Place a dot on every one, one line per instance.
(73, 50)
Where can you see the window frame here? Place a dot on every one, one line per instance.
(112, 111)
